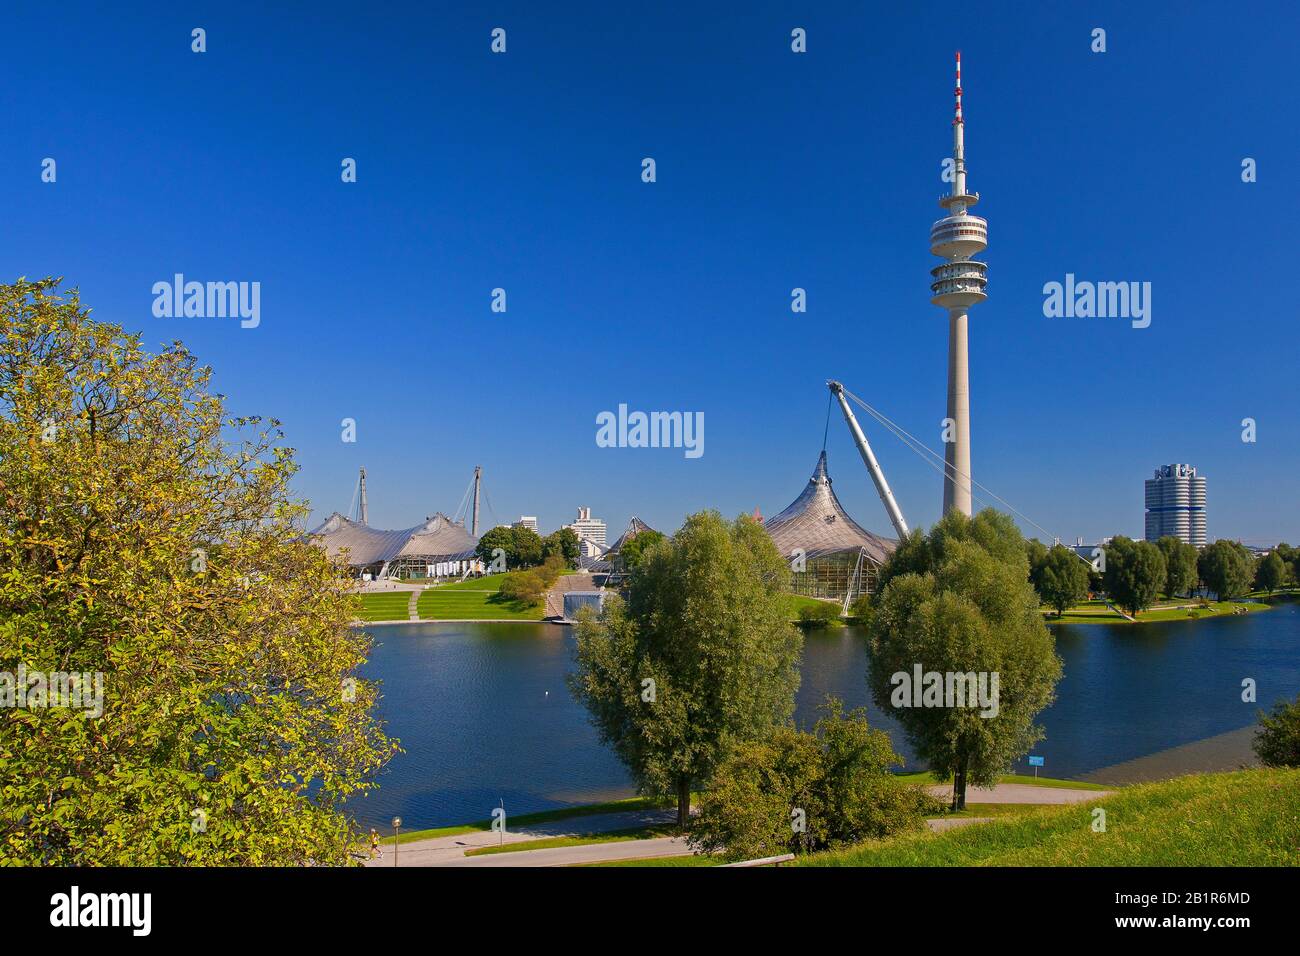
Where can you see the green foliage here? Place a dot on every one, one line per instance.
(992, 531)
(861, 609)
(820, 614)
(795, 792)
(146, 536)
(705, 621)
(1036, 555)
(1180, 565)
(522, 547)
(1135, 573)
(636, 546)
(1062, 579)
(1227, 569)
(1272, 574)
(562, 544)
(523, 587)
(1277, 741)
(962, 607)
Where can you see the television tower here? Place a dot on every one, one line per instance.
(958, 284)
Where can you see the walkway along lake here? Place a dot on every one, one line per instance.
(484, 715)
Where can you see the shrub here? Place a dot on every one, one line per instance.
(797, 792)
(1277, 742)
(524, 587)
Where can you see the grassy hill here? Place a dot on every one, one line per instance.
(1245, 818)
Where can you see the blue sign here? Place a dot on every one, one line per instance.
(1035, 761)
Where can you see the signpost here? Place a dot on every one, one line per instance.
(1035, 762)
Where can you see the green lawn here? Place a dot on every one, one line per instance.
(384, 606)
(452, 602)
(688, 860)
(1245, 818)
(1096, 612)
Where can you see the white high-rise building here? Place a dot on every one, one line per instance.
(526, 521)
(1175, 505)
(958, 284)
(588, 528)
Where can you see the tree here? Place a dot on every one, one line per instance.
(496, 543)
(795, 792)
(1227, 569)
(1135, 573)
(918, 552)
(1277, 741)
(521, 547)
(563, 543)
(1062, 579)
(700, 658)
(149, 539)
(525, 547)
(964, 608)
(636, 546)
(1036, 554)
(1272, 573)
(1180, 565)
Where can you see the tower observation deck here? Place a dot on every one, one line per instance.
(958, 284)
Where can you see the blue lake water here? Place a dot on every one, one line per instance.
(484, 716)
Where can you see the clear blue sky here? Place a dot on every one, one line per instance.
(775, 170)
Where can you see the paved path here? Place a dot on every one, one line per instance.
(450, 850)
(1020, 793)
(590, 853)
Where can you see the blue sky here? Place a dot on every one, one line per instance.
(775, 171)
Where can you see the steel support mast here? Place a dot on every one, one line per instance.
(869, 459)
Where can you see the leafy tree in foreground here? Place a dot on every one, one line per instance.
(146, 537)
(1062, 579)
(1227, 569)
(699, 659)
(1180, 565)
(1135, 573)
(965, 607)
(795, 792)
(1277, 741)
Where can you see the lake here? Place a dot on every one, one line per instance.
(484, 715)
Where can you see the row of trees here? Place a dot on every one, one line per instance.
(691, 681)
(525, 548)
(1134, 574)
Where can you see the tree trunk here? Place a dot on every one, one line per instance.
(683, 801)
(959, 786)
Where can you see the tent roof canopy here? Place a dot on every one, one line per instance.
(817, 523)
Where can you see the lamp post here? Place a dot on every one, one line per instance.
(397, 832)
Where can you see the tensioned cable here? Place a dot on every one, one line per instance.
(917, 446)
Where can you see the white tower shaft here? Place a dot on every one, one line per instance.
(959, 283)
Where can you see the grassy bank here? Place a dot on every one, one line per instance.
(384, 606)
(1245, 818)
(1096, 612)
